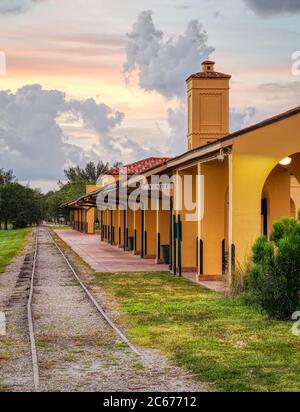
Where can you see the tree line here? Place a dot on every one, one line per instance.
(22, 206)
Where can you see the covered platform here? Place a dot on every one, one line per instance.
(103, 257)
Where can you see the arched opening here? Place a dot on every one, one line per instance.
(281, 193)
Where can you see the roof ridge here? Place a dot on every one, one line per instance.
(140, 166)
(248, 129)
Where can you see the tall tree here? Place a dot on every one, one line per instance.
(69, 191)
(20, 205)
(6, 176)
(90, 173)
(117, 164)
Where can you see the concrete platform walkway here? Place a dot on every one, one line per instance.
(103, 257)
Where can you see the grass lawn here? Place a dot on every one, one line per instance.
(221, 340)
(11, 242)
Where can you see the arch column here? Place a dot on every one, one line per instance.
(129, 225)
(137, 231)
(90, 217)
(213, 223)
(162, 231)
(116, 226)
(150, 234)
(185, 249)
(121, 228)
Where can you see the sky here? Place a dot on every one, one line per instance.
(89, 80)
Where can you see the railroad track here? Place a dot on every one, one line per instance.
(27, 276)
(74, 345)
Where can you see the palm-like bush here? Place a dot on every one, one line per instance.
(275, 276)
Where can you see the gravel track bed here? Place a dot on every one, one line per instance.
(77, 350)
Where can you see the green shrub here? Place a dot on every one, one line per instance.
(284, 227)
(274, 281)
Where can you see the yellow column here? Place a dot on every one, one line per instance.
(162, 231)
(80, 220)
(189, 227)
(75, 226)
(90, 216)
(105, 223)
(137, 231)
(129, 224)
(116, 226)
(199, 247)
(150, 234)
(121, 228)
(246, 185)
(215, 176)
(83, 214)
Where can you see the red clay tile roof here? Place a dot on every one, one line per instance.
(209, 75)
(140, 166)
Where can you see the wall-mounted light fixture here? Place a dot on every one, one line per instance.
(286, 161)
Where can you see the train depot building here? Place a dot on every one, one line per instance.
(238, 184)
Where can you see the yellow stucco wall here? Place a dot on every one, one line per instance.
(208, 110)
(116, 226)
(121, 226)
(255, 154)
(189, 228)
(129, 222)
(137, 228)
(277, 190)
(150, 229)
(90, 217)
(295, 193)
(214, 222)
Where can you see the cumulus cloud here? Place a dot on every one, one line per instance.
(16, 6)
(281, 92)
(177, 119)
(164, 63)
(112, 146)
(267, 8)
(33, 143)
(97, 116)
(241, 118)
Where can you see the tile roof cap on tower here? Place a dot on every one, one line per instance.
(208, 72)
(208, 62)
(139, 166)
(209, 75)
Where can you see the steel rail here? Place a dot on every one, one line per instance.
(35, 365)
(97, 306)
